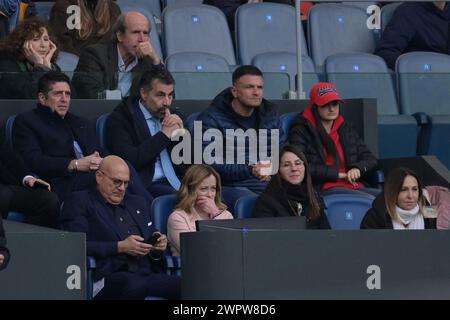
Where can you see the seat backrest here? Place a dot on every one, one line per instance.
(197, 28)
(266, 27)
(67, 61)
(200, 85)
(100, 129)
(363, 75)
(15, 216)
(182, 2)
(387, 12)
(162, 207)
(43, 8)
(287, 62)
(152, 6)
(196, 62)
(243, 207)
(346, 211)
(424, 83)
(286, 121)
(8, 131)
(336, 28)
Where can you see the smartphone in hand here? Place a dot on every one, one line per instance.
(153, 238)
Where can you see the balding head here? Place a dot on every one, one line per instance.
(131, 29)
(112, 178)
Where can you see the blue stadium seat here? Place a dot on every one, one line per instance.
(198, 75)
(364, 75)
(287, 62)
(345, 212)
(100, 129)
(67, 62)
(152, 6)
(387, 12)
(43, 8)
(162, 207)
(266, 27)
(337, 28)
(200, 28)
(424, 82)
(168, 3)
(286, 121)
(15, 216)
(243, 207)
(155, 28)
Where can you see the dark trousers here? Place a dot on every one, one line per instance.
(126, 285)
(40, 207)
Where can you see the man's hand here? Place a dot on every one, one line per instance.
(170, 123)
(134, 246)
(31, 181)
(147, 49)
(261, 169)
(2, 258)
(161, 244)
(88, 163)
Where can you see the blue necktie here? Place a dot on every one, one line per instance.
(77, 150)
(166, 162)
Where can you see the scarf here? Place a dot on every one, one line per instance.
(410, 219)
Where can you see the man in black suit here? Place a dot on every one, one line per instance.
(20, 191)
(57, 145)
(116, 225)
(4, 252)
(109, 66)
(140, 128)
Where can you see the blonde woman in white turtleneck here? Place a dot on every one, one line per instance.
(400, 206)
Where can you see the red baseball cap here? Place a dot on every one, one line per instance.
(323, 93)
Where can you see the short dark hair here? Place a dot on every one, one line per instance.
(49, 79)
(161, 75)
(245, 70)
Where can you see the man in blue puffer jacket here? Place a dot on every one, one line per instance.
(240, 108)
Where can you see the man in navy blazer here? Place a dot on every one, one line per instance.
(140, 129)
(116, 226)
(57, 145)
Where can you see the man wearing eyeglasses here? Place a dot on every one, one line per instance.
(117, 226)
(57, 145)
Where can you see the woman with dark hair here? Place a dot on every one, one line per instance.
(199, 198)
(400, 206)
(338, 158)
(97, 18)
(4, 253)
(25, 55)
(290, 192)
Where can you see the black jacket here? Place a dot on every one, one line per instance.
(128, 136)
(273, 202)
(97, 71)
(415, 27)
(18, 80)
(3, 250)
(378, 218)
(45, 140)
(356, 153)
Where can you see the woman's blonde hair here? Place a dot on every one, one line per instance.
(194, 176)
(393, 186)
(101, 15)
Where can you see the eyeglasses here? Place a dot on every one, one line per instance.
(117, 182)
